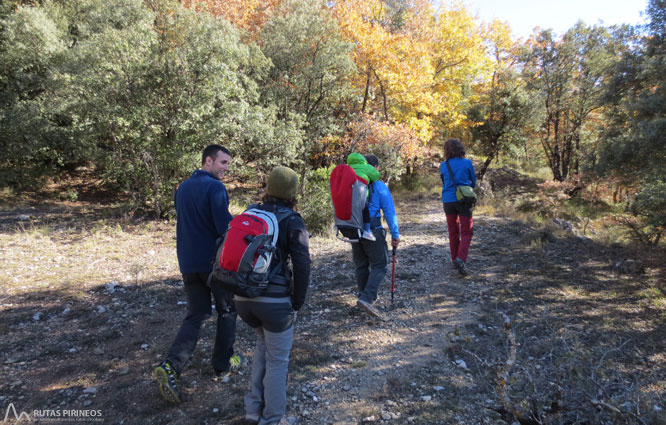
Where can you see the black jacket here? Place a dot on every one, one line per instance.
(294, 246)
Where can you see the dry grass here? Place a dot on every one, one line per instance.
(43, 256)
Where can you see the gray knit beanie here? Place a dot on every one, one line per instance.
(282, 183)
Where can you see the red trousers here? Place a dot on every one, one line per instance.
(460, 223)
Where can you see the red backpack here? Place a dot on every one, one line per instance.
(243, 261)
(349, 195)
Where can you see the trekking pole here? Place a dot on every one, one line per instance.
(393, 276)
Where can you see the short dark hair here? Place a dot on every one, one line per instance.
(372, 160)
(211, 151)
(453, 148)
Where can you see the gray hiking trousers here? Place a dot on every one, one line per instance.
(267, 400)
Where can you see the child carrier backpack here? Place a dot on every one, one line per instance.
(243, 261)
(349, 193)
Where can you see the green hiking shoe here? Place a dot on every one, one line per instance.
(235, 363)
(167, 378)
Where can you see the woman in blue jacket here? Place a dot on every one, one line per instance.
(458, 215)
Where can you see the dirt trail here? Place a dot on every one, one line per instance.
(371, 359)
(396, 370)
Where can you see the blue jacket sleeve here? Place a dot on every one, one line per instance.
(219, 204)
(386, 204)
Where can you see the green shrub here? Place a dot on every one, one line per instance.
(423, 181)
(69, 195)
(315, 205)
(647, 223)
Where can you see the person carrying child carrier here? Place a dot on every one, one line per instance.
(272, 314)
(371, 175)
(371, 256)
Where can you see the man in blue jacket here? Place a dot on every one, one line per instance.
(371, 257)
(202, 207)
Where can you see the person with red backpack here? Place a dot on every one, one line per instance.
(371, 256)
(272, 312)
(370, 174)
(202, 208)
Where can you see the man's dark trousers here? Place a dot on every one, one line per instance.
(371, 261)
(199, 309)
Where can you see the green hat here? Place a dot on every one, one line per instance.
(282, 183)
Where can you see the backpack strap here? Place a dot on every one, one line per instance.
(453, 179)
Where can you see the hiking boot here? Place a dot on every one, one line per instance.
(243, 421)
(288, 421)
(167, 378)
(460, 265)
(252, 419)
(368, 308)
(234, 364)
(367, 234)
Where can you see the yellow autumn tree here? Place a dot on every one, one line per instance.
(415, 72)
(247, 15)
(503, 49)
(501, 52)
(393, 78)
(460, 61)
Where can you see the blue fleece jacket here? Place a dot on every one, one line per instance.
(202, 206)
(463, 172)
(382, 199)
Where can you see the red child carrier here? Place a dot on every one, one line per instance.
(349, 195)
(243, 261)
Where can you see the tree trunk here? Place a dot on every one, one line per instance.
(152, 164)
(367, 89)
(555, 164)
(576, 164)
(384, 100)
(484, 167)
